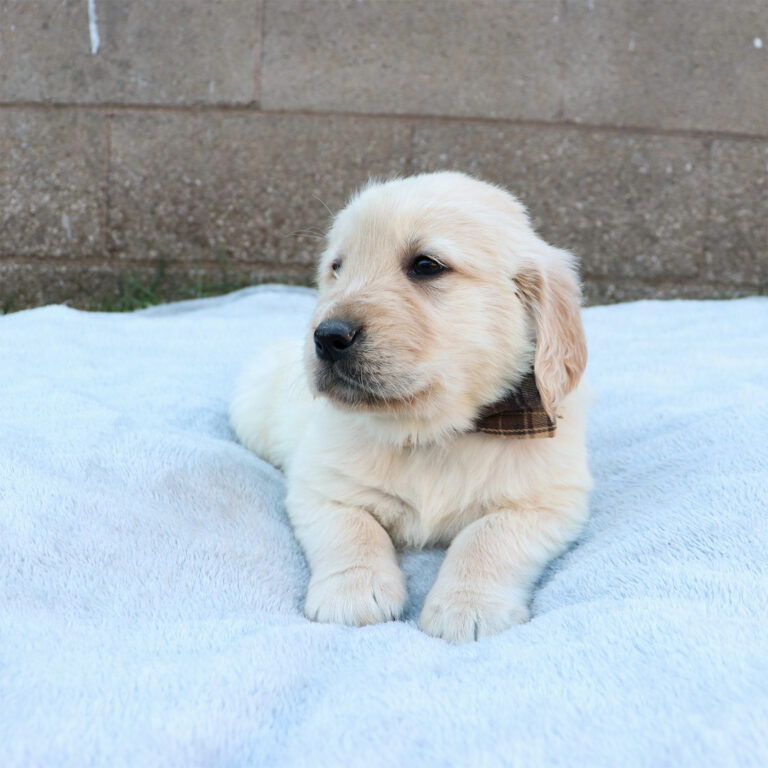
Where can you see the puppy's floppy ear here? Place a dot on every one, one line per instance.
(549, 286)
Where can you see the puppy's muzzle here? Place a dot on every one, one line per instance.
(334, 339)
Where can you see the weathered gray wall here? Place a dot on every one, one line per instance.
(203, 134)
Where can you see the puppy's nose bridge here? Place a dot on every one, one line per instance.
(362, 300)
(354, 305)
(334, 338)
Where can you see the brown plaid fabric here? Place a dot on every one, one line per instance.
(519, 414)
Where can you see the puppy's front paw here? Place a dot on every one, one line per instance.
(356, 597)
(463, 616)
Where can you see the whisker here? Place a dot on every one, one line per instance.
(324, 205)
(305, 233)
(311, 231)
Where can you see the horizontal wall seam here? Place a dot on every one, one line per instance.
(252, 109)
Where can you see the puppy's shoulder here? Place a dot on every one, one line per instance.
(272, 402)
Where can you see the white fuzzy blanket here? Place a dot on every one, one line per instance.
(150, 585)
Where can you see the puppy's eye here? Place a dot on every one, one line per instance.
(424, 266)
(336, 266)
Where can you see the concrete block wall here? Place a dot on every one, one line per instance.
(209, 137)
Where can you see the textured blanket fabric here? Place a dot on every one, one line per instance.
(150, 584)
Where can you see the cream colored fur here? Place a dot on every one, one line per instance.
(403, 470)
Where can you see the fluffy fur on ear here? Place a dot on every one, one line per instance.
(551, 289)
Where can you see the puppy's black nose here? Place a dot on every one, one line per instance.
(333, 339)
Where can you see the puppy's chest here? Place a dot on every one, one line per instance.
(425, 499)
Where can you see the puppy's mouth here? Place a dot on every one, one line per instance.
(357, 386)
(349, 385)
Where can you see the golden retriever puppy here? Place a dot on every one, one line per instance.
(436, 401)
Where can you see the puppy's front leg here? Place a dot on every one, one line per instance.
(356, 579)
(484, 583)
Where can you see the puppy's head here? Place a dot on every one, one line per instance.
(435, 298)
